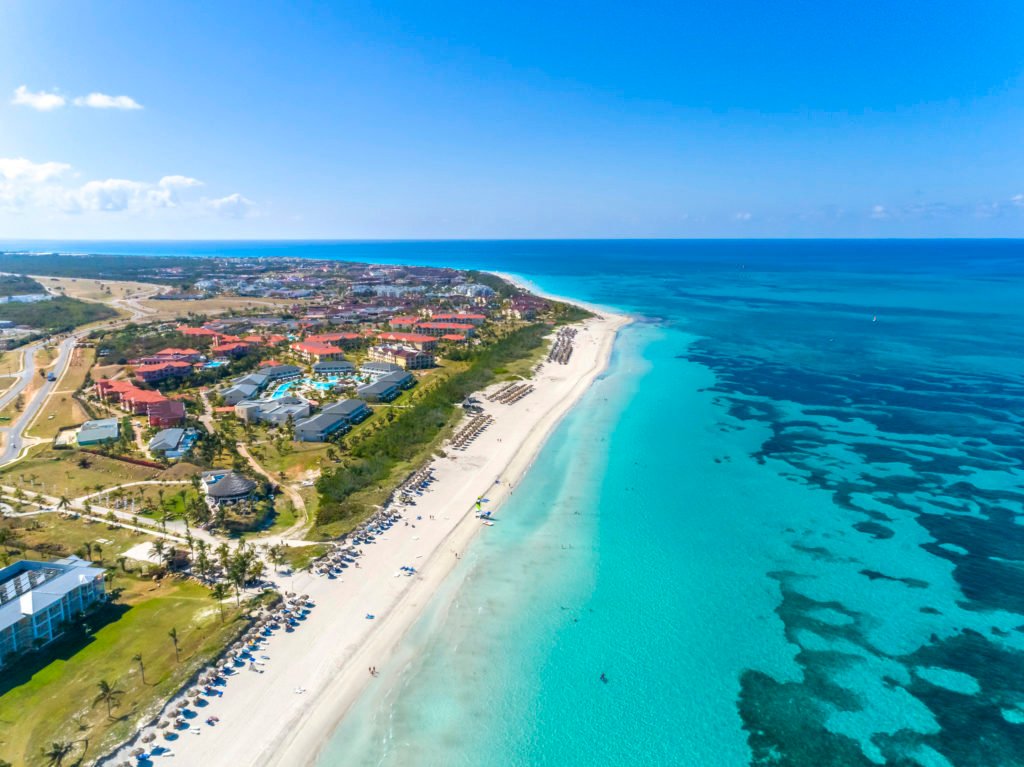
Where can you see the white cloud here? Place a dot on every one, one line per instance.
(879, 212)
(178, 182)
(1017, 200)
(104, 101)
(42, 101)
(233, 206)
(742, 216)
(50, 187)
(19, 169)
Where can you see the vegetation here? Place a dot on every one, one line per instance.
(372, 461)
(58, 315)
(18, 285)
(88, 689)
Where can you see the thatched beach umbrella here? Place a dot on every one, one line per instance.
(148, 737)
(138, 752)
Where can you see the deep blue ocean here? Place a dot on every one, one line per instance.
(787, 524)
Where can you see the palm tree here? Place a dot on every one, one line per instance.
(63, 502)
(220, 592)
(173, 634)
(158, 548)
(109, 695)
(137, 658)
(57, 752)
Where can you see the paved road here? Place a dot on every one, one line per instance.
(15, 433)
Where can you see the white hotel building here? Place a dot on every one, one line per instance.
(37, 598)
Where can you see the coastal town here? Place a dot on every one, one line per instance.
(230, 447)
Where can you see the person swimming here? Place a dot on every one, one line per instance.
(604, 678)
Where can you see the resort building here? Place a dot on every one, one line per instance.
(335, 417)
(38, 598)
(400, 378)
(378, 369)
(318, 352)
(406, 359)
(139, 401)
(407, 322)
(464, 317)
(379, 391)
(227, 486)
(415, 340)
(273, 411)
(257, 379)
(162, 370)
(234, 349)
(275, 373)
(239, 392)
(198, 333)
(170, 412)
(446, 328)
(172, 355)
(165, 441)
(345, 340)
(99, 432)
(337, 367)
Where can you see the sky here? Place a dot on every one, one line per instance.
(525, 119)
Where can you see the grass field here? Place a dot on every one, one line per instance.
(299, 557)
(58, 472)
(59, 684)
(50, 536)
(96, 290)
(169, 310)
(61, 408)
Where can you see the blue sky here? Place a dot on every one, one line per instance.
(517, 119)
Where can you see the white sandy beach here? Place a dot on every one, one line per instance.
(264, 720)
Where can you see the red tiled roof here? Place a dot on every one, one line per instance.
(412, 338)
(166, 409)
(460, 316)
(326, 338)
(445, 326)
(453, 337)
(171, 351)
(161, 366)
(316, 348)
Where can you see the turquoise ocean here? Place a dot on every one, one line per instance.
(787, 524)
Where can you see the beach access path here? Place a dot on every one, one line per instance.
(309, 679)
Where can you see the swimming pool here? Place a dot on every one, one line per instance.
(215, 364)
(283, 389)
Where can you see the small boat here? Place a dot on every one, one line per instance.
(488, 523)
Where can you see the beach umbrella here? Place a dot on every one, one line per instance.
(138, 752)
(148, 737)
(164, 724)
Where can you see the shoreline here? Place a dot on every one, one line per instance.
(265, 719)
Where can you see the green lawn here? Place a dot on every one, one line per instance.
(49, 536)
(299, 557)
(58, 685)
(58, 472)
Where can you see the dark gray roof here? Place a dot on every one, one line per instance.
(336, 365)
(253, 379)
(374, 389)
(322, 423)
(381, 367)
(280, 371)
(345, 407)
(396, 377)
(230, 485)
